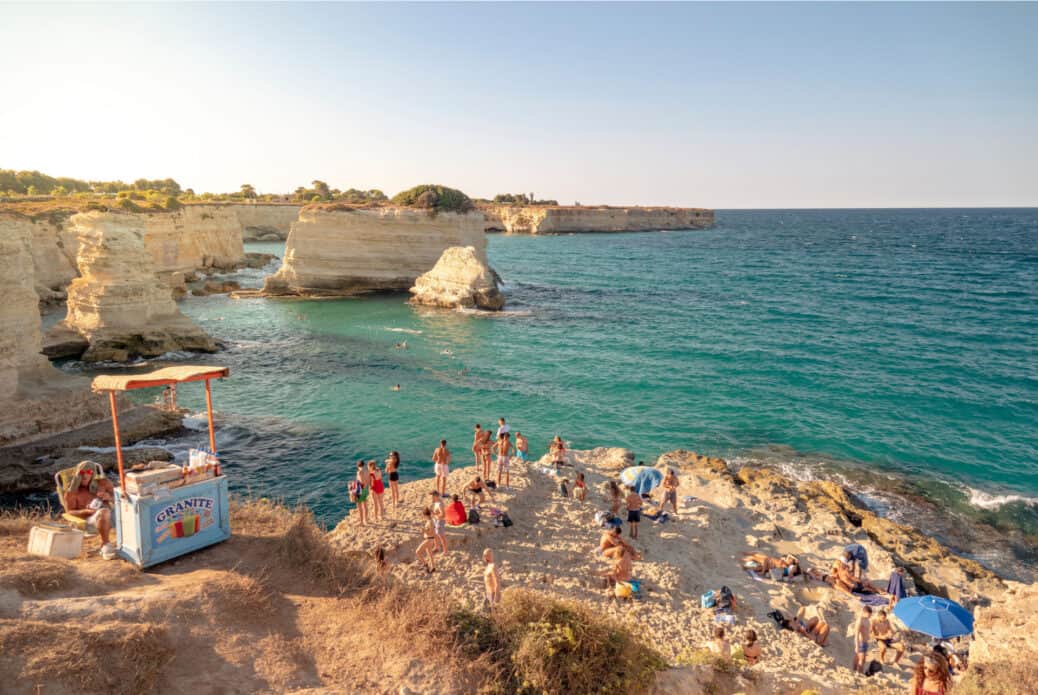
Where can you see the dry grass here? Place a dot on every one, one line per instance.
(239, 596)
(305, 548)
(32, 576)
(1002, 678)
(551, 647)
(113, 658)
(17, 522)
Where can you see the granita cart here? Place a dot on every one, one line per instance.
(159, 522)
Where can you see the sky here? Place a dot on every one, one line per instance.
(713, 105)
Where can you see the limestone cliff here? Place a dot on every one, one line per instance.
(550, 219)
(461, 278)
(196, 237)
(35, 398)
(265, 222)
(119, 303)
(339, 250)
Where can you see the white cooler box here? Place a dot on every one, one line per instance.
(54, 540)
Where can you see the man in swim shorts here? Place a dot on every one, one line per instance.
(862, 630)
(886, 638)
(634, 511)
(441, 466)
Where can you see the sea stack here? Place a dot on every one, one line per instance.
(119, 304)
(342, 250)
(461, 278)
(38, 399)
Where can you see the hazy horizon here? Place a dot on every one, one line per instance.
(725, 106)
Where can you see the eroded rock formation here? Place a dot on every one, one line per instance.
(461, 278)
(119, 304)
(339, 250)
(548, 219)
(260, 222)
(35, 398)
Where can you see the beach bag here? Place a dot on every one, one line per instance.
(780, 620)
(725, 600)
(623, 590)
(874, 668)
(708, 600)
(491, 485)
(473, 516)
(505, 519)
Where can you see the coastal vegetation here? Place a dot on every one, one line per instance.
(434, 196)
(520, 199)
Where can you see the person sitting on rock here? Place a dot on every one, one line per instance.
(612, 542)
(885, 636)
(89, 496)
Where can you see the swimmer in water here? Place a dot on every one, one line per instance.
(402, 346)
(396, 388)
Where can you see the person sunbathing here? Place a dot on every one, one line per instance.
(763, 564)
(843, 578)
(814, 627)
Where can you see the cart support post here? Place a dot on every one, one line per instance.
(209, 411)
(118, 443)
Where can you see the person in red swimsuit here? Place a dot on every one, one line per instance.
(377, 488)
(931, 676)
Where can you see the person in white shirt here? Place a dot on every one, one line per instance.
(502, 427)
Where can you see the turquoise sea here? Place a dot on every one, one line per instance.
(897, 349)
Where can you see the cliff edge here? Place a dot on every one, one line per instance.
(558, 219)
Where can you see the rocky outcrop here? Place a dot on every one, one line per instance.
(265, 222)
(341, 250)
(35, 398)
(196, 237)
(119, 304)
(461, 278)
(549, 219)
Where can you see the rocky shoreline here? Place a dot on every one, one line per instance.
(729, 510)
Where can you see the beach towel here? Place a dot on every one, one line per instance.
(754, 576)
(455, 514)
(874, 600)
(896, 585)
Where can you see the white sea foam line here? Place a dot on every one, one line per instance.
(413, 331)
(985, 500)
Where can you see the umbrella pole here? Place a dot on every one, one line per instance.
(118, 444)
(209, 412)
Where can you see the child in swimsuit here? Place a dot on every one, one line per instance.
(377, 488)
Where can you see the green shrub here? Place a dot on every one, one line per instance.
(129, 205)
(173, 204)
(436, 197)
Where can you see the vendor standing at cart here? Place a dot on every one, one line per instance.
(89, 497)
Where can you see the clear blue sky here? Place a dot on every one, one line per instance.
(719, 105)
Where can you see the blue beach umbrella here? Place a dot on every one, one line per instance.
(934, 616)
(641, 478)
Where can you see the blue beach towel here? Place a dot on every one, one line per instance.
(896, 585)
(873, 600)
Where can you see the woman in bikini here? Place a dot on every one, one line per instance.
(931, 676)
(751, 647)
(504, 451)
(393, 469)
(428, 542)
(558, 452)
(377, 488)
(484, 451)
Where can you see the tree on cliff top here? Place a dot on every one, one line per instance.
(434, 196)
